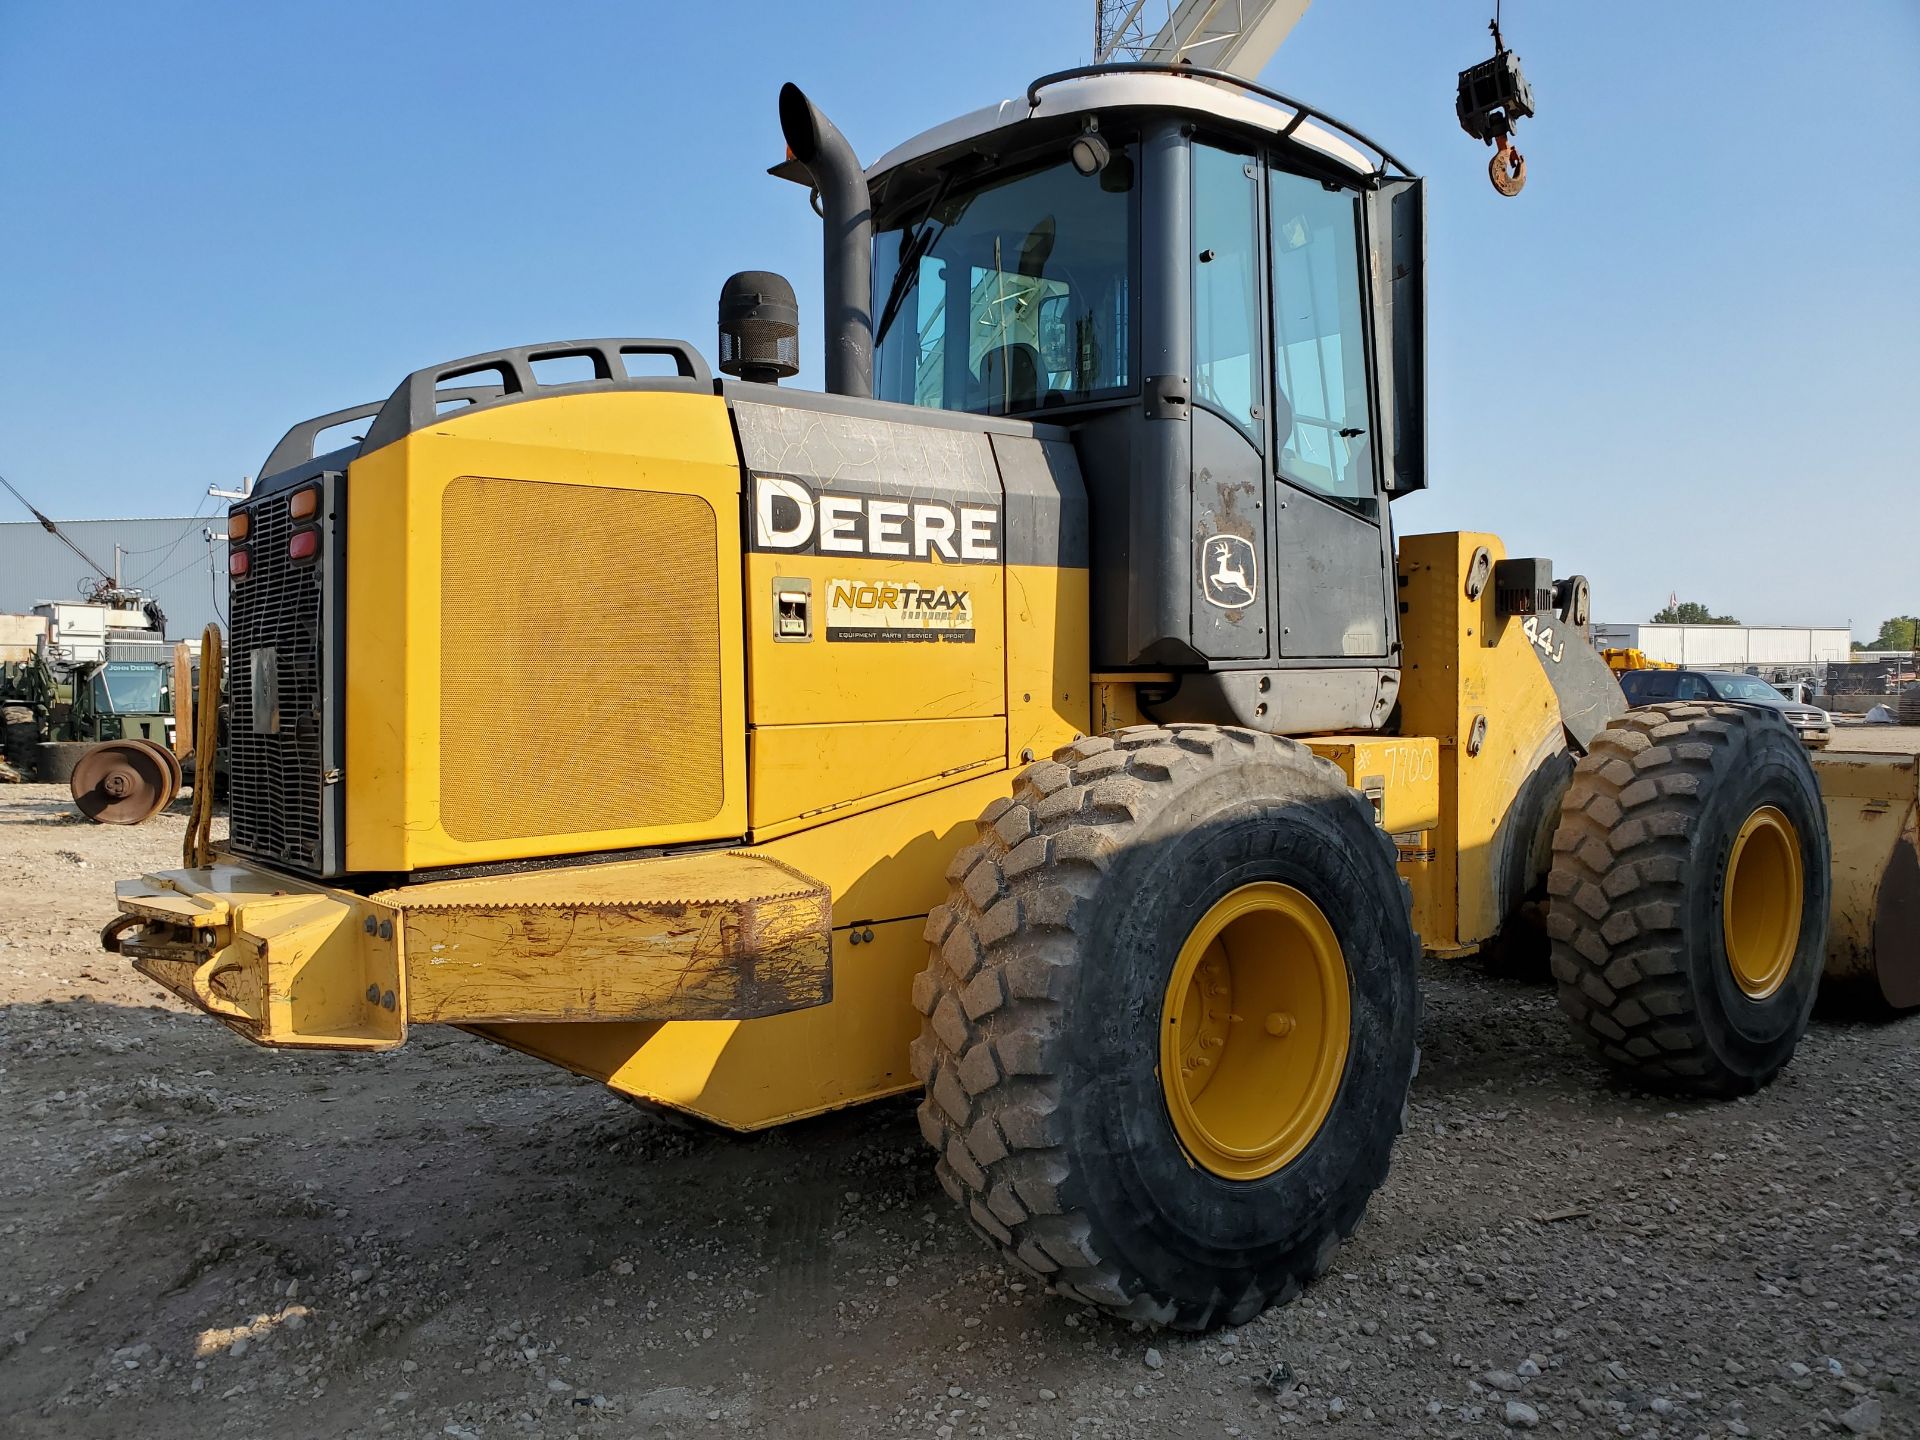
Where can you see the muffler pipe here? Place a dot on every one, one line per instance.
(848, 241)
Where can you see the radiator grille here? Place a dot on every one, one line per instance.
(275, 796)
(580, 669)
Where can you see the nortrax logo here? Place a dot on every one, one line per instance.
(873, 610)
(787, 515)
(912, 601)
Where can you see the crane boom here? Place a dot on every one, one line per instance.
(1238, 36)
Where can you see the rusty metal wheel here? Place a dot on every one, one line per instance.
(174, 768)
(122, 782)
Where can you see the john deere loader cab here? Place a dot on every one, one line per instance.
(1042, 719)
(1222, 302)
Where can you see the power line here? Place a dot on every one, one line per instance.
(192, 524)
(184, 568)
(198, 516)
(55, 531)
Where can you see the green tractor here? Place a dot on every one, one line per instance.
(105, 727)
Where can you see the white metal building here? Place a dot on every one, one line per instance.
(1730, 646)
(171, 559)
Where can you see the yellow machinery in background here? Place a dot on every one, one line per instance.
(1044, 719)
(1620, 659)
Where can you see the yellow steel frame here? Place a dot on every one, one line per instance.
(1469, 680)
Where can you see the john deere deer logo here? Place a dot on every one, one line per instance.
(1229, 575)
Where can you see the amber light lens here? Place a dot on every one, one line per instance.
(304, 544)
(304, 505)
(237, 562)
(238, 525)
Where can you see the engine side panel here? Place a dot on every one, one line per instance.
(916, 601)
(543, 633)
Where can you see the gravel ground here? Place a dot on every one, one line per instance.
(198, 1238)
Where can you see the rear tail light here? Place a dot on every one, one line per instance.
(305, 504)
(238, 524)
(303, 545)
(237, 563)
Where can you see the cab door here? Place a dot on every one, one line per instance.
(1231, 601)
(1333, 547)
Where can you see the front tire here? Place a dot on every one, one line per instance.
(1689, 897)
(1171, 1019)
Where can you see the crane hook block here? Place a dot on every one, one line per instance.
(1493, 96)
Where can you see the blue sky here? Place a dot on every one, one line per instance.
(1686, 358)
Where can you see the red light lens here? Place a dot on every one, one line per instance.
(237, 562)
(304, 544)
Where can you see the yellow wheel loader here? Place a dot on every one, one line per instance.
(1043, 719)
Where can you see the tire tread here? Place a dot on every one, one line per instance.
(996, 1123)
(1619, 888)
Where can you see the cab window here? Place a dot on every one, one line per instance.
(1010, 296)
(1322, 403)
(129, 688)
(1226, 287)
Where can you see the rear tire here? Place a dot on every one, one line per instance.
(19, 735)
(1689, 897)
(54, 760)
(1073, 924)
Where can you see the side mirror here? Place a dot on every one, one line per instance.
(1397, 236)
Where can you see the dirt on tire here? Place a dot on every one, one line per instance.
(1042, 1002)
(1640, 881)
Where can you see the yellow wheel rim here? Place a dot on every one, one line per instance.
(1253, 1032)
(1761, 904)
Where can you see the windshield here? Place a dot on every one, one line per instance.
(131, 688)
(1744, 687)
(1018, 295)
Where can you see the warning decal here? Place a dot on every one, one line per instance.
(882, 610)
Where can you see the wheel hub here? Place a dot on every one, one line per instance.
(1761, 904)
(123, 782)
(1254, 1031)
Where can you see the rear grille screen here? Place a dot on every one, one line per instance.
(579, 660)
(276, 784)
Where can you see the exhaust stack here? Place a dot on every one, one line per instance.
(848, 249)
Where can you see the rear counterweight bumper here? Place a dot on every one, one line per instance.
(720, 935)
